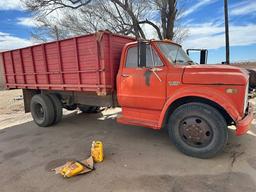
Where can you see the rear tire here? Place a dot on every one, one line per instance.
(198, 130)
(57, 108)
(42, 110)
(89, 109)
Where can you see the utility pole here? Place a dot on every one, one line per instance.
(227, 32)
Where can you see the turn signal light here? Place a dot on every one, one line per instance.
(231, 91)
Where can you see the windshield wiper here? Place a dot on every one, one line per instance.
(190, 62)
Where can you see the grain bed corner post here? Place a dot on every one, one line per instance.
(2, 73)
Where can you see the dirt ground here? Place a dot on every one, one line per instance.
(136, 158)
(11, 108)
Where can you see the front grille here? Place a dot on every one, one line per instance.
(246, 97)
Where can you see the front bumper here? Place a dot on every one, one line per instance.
(244, 124)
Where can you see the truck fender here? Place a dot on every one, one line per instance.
(204, 93)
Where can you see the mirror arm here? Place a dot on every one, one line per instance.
(155, 73)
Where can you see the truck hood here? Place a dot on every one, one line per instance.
(214, 75)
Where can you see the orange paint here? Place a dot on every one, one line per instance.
(145, 105)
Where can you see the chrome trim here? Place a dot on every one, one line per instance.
(246, 98)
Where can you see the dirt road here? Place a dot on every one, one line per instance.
(11, 108)
(136, 159)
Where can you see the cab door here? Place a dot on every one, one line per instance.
(142, 87)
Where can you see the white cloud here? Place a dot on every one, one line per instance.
(11, 5)
(195, 7)
(8, 41)
(2, 34)
(243, 8)
(211, 36)
(28, 21)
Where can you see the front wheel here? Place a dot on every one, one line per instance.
(198, 130)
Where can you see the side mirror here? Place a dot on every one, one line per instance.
(142, 50)
(203, 54)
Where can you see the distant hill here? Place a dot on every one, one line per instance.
(247, 65)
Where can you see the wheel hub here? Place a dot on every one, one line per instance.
(195, 131)
(39, 111)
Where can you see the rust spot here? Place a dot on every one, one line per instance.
(147, 76)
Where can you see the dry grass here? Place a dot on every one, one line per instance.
(247, 65)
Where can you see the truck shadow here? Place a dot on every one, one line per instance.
(99, 126)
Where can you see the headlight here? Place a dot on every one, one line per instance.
(246, 97)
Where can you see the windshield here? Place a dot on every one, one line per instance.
(174, 53)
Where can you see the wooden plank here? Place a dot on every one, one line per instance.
(13, 68)
(45, 64)
(98, 62)
(22, 67)
(111, 62)
(77, 62)
(60, 62)
(57, 72)
(61, 85)
(33, 65)
(2, 63)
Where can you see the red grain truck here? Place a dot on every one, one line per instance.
(154, 82)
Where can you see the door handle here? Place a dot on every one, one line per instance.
(125, 75)
(156, 69)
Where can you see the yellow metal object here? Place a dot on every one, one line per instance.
(71, 169)
(97, 151)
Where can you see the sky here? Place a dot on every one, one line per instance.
(202, 18)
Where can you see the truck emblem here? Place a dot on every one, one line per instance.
(174, 83)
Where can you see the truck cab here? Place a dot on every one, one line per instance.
(158, 86)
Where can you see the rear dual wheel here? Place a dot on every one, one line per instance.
(46, 110)
(58, 109)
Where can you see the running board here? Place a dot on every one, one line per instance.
(142, 123)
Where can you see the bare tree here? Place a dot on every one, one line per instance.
(168, 12)
(128, 17)
(48, 6)
(46, 30)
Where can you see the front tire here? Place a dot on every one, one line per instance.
(42, 110)
(198, 130)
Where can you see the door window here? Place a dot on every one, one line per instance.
(132, 58)
(152, 59)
